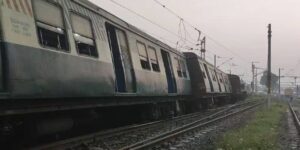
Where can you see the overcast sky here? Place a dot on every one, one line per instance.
(239, 25)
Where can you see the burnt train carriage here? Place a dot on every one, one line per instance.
(237, 88)
(209, 83)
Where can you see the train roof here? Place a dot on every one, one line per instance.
(95, 8)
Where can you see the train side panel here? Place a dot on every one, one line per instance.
(213, 78)
(181, 74)
(35, 70)
(200, 80)
(227, 83)
(149, 82)
(207, 81)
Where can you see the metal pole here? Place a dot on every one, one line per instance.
(279, 92)
(297, 90)
(296, 86)
(256, 80)
(252, 85)
(215, 61)
(269, 64)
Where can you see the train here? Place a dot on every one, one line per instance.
(65, 64)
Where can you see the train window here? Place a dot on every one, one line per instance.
(178, 66)
(83, 35)
(183, 67)
(213, 75)
(153, 59)
(51, 30)
(143, 55)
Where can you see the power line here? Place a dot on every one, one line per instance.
(173, 33)
(158, 25)
(175, 14)
(194, 27)
(150, 21)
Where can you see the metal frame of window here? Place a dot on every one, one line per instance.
(154, 61)
(41, 25)
(145, 63)
(80, 38)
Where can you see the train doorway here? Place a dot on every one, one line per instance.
(125, 78)
(172, 88)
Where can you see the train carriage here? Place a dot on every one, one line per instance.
(209, 83)
(67, 63)
(81, 52)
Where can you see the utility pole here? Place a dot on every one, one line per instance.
(269, 64)
(252, 84)
(215, 61)
(203, 47)
(279, 82)
(256, 77)
(297, 92)
(253, 76)
(256, 80)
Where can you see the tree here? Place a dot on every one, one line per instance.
(274, 80)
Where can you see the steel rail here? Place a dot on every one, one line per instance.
(180, 131)
(295, 117)
(94, 137)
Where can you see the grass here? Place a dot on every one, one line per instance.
(261, 133)
(258, 97)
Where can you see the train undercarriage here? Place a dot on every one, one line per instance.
(38, 122)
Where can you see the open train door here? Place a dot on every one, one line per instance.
(125, 78)
(172, 88)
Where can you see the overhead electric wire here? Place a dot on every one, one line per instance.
(169, 31)
(150, 21)
(209, 37)
(194, 27)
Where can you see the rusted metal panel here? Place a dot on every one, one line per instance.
(220, 81)
(205, 79)
(198, 84)
(235, 84)
(227, 83)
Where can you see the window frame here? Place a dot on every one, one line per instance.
(183, 68)
(150, 60)
(213, 73)
(73, 12)
(36, 22)
(141, 56)
(178, 67)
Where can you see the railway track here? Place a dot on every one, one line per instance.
(293, 126)
(151, 134)
(295, 117)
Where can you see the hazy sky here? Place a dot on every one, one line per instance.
(240, 25)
